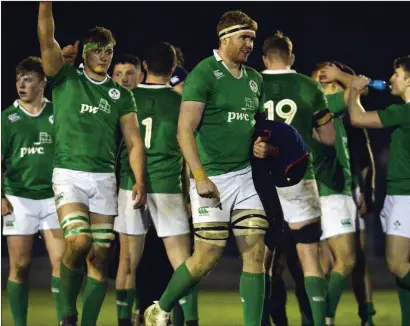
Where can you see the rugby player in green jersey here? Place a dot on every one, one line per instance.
(158, 112)
(27, 203)
(220, 98)
(336, 78)
(299, 101)
(394, 216)
(88, 108)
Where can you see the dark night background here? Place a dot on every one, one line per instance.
(367, 36)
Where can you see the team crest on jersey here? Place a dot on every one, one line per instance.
(254, 86)
(114, 93)
(51, 119)
(14, 117)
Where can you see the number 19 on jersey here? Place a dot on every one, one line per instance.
(288, 116)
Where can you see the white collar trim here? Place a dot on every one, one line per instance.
(94, 81)
(17, 105)
(153, 86)
(218, 58)
(277, 72)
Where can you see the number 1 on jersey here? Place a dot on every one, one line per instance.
(148, 131)
(288, 116)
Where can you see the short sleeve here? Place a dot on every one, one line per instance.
(61, 76)
(198, 85)
(395, 115)
(128, 105)
(320, 101)
(336, 102)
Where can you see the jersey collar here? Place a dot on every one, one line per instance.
(153, 86)
(218, 58)
(94, 81)
(277, 72)
(18, 106)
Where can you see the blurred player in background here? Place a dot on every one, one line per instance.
(215, 127)
(300, 102)
(127, 71)
(180, 74)
(158, 116)
(27, 203)
(337, 76)
(84, 182)
(394, 215)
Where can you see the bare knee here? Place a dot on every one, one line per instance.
(345, 263)
(202, 261)
(77, 249)
(253, 259)
(394, 264)
(20, 267)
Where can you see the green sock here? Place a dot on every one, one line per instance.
(70, 285)
(93, 298)
(406, 279)
(18, 301)
(125, 300)
(190, 305)
(181, 283)
(316, 291)
(335, 286)
(177, 315)
(404, 298)
(55, 289)
(252, 291)
(371, 312)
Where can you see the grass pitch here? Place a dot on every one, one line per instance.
(215, 309)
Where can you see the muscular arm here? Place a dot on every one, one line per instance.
(190, 116)
(50, 50)
(135, 146)
(358, 116)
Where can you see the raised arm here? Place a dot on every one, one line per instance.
(50, 49)
(358, 116)
(135, 147)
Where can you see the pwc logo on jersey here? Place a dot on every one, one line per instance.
(103, 106)
(249, 106)
(43, 138)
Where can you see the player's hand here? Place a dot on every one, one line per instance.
(360, 83)
(207, 189)
(362, 205)
(329, 73)
(70, 52)
(139, 195)
(262, 149)
(6, 207)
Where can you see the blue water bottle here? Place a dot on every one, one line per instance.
(379, 85)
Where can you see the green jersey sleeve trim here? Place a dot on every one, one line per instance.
(395, 115)
(336, 102)
(61, 76)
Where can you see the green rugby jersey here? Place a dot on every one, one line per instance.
(398, 166)
(87, 114)
(332, 163)
(27, 150)
(158, 111)
(225, 132)
(293, 98)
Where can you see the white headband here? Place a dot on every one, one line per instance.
(233, 30)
